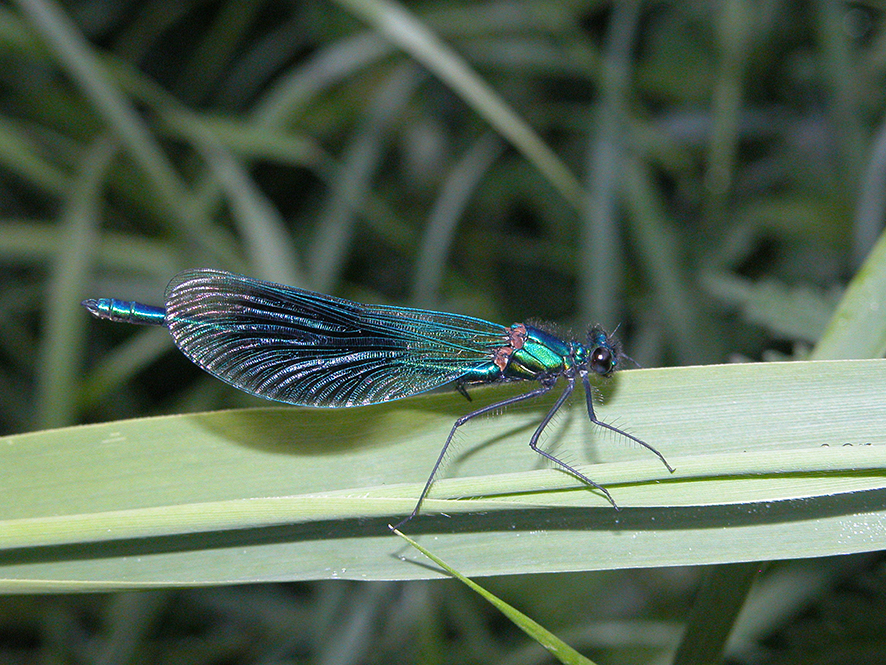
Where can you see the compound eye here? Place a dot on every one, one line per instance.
(602, 361)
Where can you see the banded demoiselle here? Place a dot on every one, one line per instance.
(300, 347)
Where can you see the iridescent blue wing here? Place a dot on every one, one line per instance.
(300, 347)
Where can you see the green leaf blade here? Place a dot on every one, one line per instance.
(773, 461)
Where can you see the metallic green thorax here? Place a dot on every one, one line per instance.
(541, 354)
(532, 354)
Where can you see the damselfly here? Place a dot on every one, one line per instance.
(300, 347)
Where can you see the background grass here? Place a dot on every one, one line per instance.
(707, 176)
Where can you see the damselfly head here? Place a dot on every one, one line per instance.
(604, 351)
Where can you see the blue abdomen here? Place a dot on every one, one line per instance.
(126, 311)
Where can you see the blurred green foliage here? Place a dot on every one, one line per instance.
(708, 176)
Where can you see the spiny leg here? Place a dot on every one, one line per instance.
(538, 392)
(612, 428)
(533, 443)
(460, 387)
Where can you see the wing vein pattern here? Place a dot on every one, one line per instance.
(301, 347)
